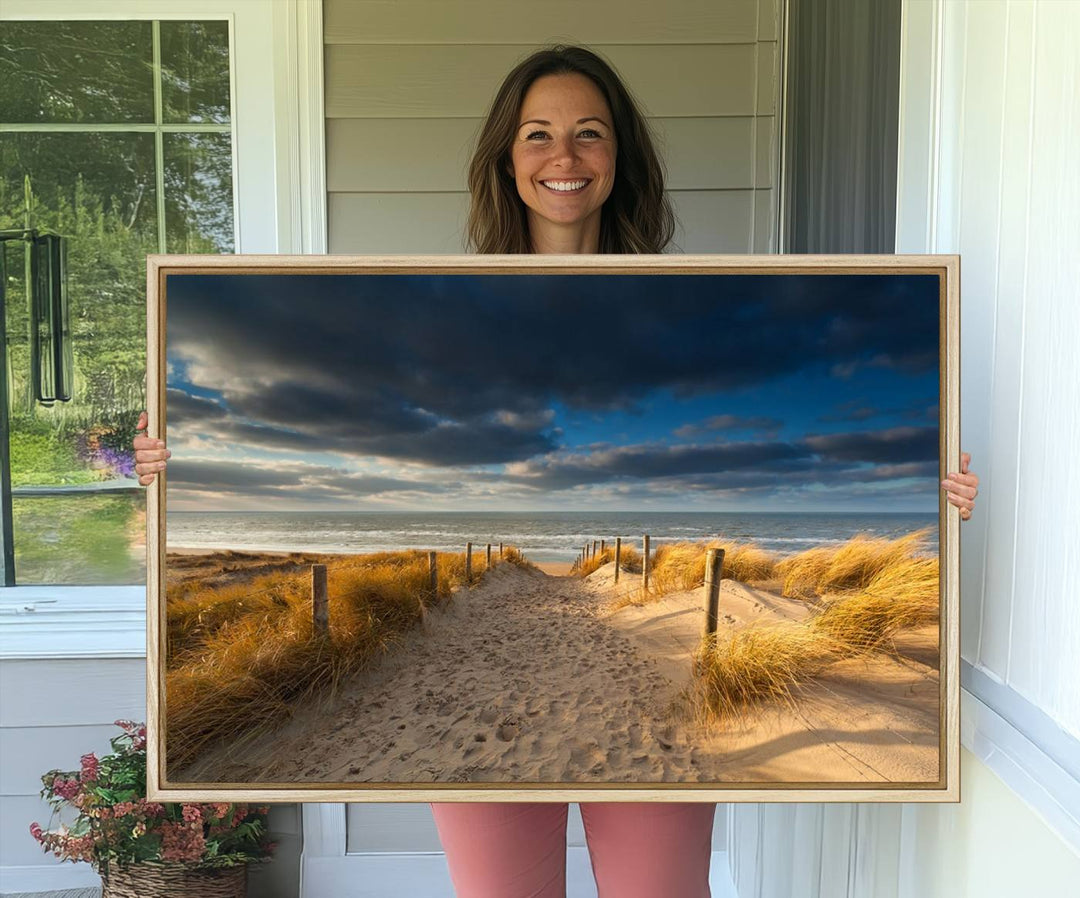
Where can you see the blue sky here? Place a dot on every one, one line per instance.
(545, 391)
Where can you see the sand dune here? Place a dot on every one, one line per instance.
(530, 678)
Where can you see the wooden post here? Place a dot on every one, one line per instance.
(500, 551)
(645, 566)
(714, 566)
(594, 545)
(488, 562)
(618, 556)
(468, 563)
(585, 552)
(320, 609)
(433, 575)
(603, 546)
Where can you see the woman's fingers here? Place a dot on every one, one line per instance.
(961, 487)
(150, 453)
(966, 485)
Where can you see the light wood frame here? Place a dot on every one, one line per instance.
(946, 267)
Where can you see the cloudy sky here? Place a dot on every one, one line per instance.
(555, 392)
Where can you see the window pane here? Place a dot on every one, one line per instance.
(76, 72)
(195, 71)
(98, 191)
(82, 540)
(198, 193)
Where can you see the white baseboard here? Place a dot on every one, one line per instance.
(427, 876)
(385, 875)
(41, 878)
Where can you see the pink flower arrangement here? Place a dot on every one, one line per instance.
(116, 824)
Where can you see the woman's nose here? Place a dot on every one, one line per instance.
(564, 149)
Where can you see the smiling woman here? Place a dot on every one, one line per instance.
(563, 115)
(563, 162)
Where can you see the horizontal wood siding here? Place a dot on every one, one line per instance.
(408, 84)
(406, 155)
(476, 22)
(54, 711)
(451, 81)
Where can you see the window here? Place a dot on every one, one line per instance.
(118, 136)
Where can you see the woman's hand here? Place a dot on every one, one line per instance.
(962, 488)
(150, 454)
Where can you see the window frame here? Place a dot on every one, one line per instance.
(276, 95)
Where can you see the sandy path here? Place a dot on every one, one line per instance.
(530, 679)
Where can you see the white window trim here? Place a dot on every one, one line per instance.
(1031, 753)
(279, 198)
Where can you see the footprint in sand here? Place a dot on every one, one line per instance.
(507, 732)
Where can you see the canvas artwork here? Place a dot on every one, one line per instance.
(578, 527)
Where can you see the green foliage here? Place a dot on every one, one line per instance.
(116, 825)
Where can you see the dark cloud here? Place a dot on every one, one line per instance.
(649, 462)
(716, 423)
(445, 369)
(854, 410)
(894, 445)
(291, 479)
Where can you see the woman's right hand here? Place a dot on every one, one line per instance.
(150, 454)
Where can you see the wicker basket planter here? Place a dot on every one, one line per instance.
(173, 880)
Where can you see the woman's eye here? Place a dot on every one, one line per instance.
(533, 134)
(589, 132)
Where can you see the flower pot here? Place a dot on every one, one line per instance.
(174, 880)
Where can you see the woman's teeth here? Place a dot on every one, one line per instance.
(564, 186)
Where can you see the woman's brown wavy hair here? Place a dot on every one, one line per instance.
(637, 216)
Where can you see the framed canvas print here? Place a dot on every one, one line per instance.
(579, 528)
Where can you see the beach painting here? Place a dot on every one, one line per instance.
(604, 529)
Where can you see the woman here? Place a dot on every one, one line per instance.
(565, 164)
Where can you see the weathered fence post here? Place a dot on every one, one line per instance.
(714, 566)
(603, 546)
(468, 564)
(594, 545)
(618, 556)
(433, 574)
(645, 566)
(487, 563)
(320, 608)
(500, 551)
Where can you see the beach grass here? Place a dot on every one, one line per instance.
(868, 590)
(681, 566)
(241, 655)
(629, 561)
(850, 565)
(738, 673)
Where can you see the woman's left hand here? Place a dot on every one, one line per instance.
(962, 488)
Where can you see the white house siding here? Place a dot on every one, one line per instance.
(989, 143)
(407, 85)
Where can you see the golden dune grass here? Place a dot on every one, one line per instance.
(851, 565)
(681, 566)
(889, 587)
(629, 561)
(241, 656)
(755, 665)
(905, 594)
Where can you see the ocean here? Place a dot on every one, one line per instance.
(542, 536)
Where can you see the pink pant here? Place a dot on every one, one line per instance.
(518, 849)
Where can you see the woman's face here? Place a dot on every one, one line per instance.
(563, 154)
